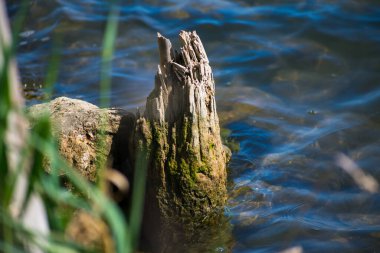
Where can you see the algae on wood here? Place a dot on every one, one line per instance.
(180, 131)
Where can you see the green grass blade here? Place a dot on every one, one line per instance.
(109, 39)
(138, 196)
(100, 203)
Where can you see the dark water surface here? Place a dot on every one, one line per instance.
(297, 83)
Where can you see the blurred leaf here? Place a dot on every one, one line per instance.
(100, 203)
(42, 129)
(138, 196)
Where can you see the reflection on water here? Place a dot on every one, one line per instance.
(297, 82)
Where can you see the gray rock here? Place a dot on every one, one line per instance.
(77, 124)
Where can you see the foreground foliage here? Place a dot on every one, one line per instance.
(35, 209)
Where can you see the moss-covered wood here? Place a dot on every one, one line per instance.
(180, 129)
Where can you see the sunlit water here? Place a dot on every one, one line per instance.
(297, 82)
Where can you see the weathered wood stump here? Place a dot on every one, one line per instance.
(180, 130)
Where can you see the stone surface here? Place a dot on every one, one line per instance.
(77, 124)
(90, 232)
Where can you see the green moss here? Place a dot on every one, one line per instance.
(159, 132)
(227, 140)
(185, 128)
(172, 166)
(233, 145)
(187, 173)
(172, 152)
(225, 133)
(203, 169)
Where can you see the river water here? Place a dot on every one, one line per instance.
(298, 85)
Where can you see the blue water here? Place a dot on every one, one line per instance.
(297, 83)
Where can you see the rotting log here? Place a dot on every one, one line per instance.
(178, 135)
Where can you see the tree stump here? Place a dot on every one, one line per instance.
(180, 134)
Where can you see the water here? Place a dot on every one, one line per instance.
(297, 83)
